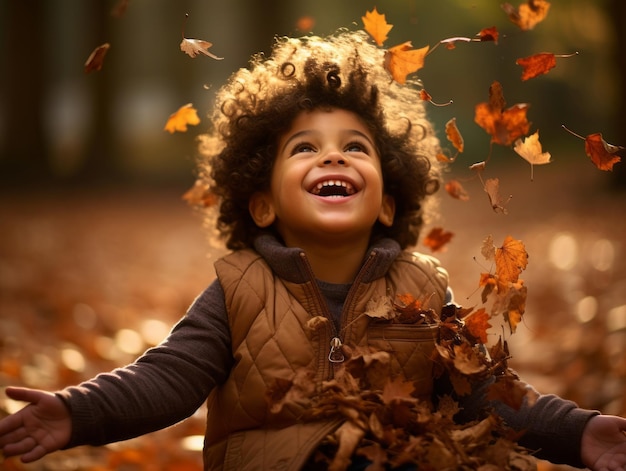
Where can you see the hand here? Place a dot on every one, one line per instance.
(43, 426)
(603, 446)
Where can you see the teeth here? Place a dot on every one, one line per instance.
(349, 189)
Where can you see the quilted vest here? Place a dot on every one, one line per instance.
(271, 340)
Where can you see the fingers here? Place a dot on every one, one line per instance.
(24, 394)
(28, 448)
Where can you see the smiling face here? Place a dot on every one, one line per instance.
(327, 183)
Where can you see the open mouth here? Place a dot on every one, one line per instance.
(333, 189)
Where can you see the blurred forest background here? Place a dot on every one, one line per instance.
(99, 255)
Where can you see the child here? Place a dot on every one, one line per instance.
(322, 166)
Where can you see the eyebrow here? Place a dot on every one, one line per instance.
(348, 132)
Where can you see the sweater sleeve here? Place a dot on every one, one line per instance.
(164, 386)
(552, 426)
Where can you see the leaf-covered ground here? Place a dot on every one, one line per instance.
(88, 280)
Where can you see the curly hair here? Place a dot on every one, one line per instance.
(258, 104)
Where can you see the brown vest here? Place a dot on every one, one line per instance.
(270, 339)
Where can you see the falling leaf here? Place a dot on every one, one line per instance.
(528, 14)
(601, 153)
(486, 34)
(305, 23)
(453, 135)
(119, 9)
(489, 34)
(376, 26)
(498, 203)
(96, 58)
(402, 60)
(511, 258)
(536, 64)
(200, 195)
(477, 324)
(503, 125)
(425, 96)
(178, 121)
(193, 47)
(437, 239)
(530, 150)
(456, 190)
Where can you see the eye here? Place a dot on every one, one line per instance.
(302, 147)
(357, 147)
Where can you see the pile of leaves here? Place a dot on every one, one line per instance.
(381, 418)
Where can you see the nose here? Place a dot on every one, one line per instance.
(334, 158)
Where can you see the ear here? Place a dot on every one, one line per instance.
(261, 209)
(387, 211)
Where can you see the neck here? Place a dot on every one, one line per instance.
(338, 263)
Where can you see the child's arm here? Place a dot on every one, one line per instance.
(167, 384)
(603, 445)
(43, 426)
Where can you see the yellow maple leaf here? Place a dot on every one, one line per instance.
(402, 60)
(530, 150)
(178, 121)
(376, 26)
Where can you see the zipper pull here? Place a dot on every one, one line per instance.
(335, 355)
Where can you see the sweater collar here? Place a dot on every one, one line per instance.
(291, 264)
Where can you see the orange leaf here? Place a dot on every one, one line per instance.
(96, 58)
(453, 135)
(511, 258)
(489, 34)
(376, 26)
(179, 120)
(200, 195)
(437, 238)
(456, 190)
(530, 150)
(503, 125)
(478, 324)
(402, 60)
(536, 65)
(601, 153)
(193, 47)
(528, 14)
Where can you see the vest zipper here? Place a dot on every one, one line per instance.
(335, 354)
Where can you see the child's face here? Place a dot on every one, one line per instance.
(326, 181)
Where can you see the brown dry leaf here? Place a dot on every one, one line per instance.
(178, 121)
(437, 239)
(453, 135)
(536, 64)
(348, 436)
(402, 60)
(380, 308)
(498, 203)
(528, 14)
(376, 26)
(96, 58)
(477, 324)
(456, 190)
(397, 389)
(503, 125)
(602, 154)
(193, 47)
(530, 150)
